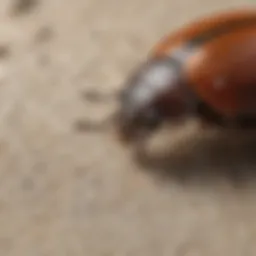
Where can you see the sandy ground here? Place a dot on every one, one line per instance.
(67, 192)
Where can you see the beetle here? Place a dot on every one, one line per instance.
(205, 69)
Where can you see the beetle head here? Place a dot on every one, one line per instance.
(152, 95)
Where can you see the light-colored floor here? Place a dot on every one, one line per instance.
(64, 192)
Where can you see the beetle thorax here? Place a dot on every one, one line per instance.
(155, 78)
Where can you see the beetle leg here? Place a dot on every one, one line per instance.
(207, 116)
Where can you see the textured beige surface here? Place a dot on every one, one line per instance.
(69, 193)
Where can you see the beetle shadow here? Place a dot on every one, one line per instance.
(228, 157)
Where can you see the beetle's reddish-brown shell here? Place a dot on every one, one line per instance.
(221, 68)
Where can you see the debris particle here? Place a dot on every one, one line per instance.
(44, 60)
(95, 96)
(23, 6)
(4, 51)
(89, 126)
(82, 126)
(28, 184)
(43, 35)
(92, 96)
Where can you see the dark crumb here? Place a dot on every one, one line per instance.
(82, 125)
(80, 172)
(43, 35)
(44, 60)
(89, 126)
(28, 184)
(95, 97)
(92, 96)
(23, 6)
(6, 244)
(4, 51)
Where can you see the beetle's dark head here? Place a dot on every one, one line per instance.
(152, 95)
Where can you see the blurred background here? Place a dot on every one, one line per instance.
(65, 191)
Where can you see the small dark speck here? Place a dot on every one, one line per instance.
(4, 52)
(6, 244)
(82, 126)
(92, 96)
(44, 35)
(80, 172)
(44, 60)
(97, 97)
(27, 184)
(23, 6)
(89, 126)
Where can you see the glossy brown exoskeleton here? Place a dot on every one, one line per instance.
(206, 69)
